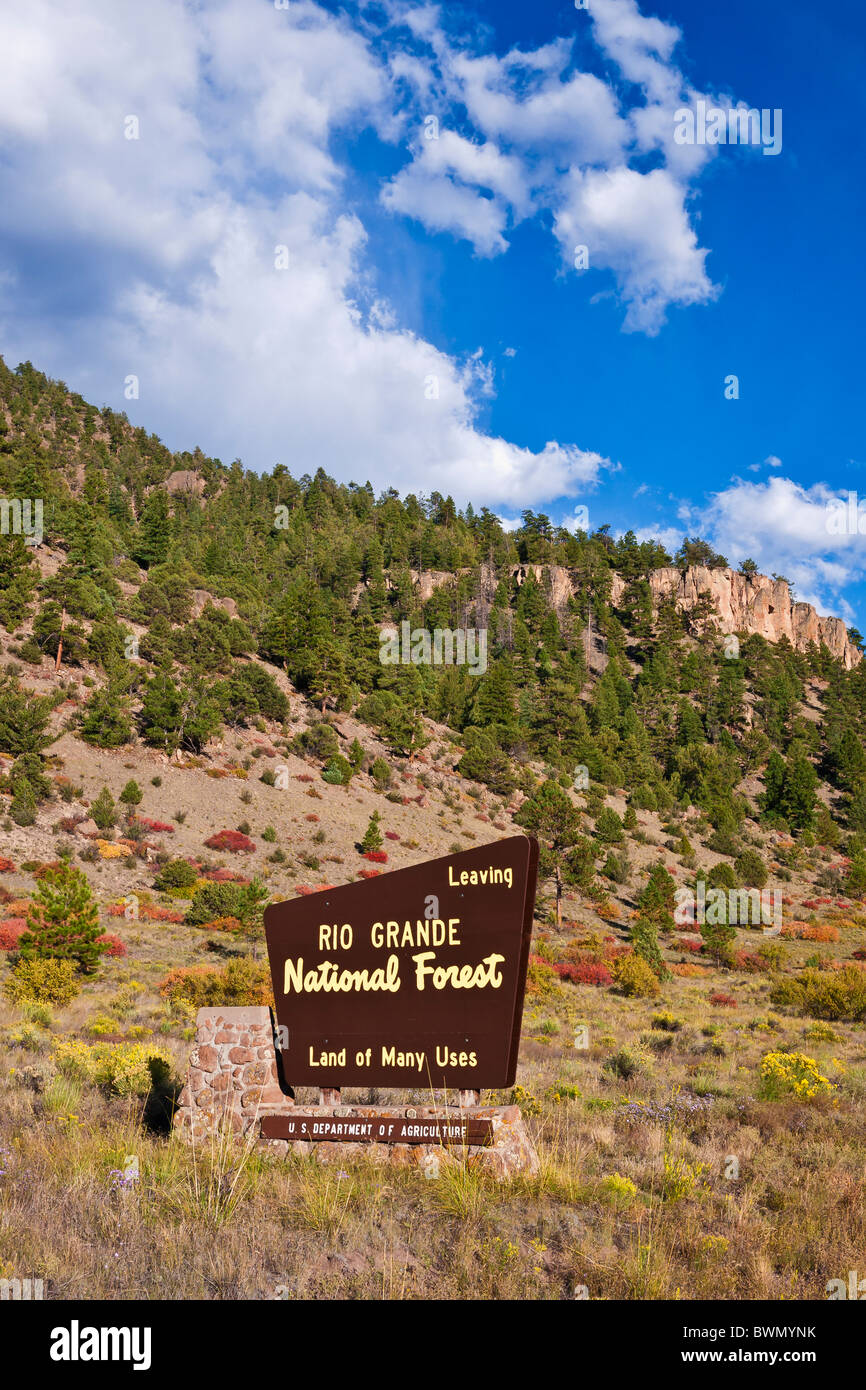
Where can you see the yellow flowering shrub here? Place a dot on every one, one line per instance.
(124, 1069)
(46, 981)
(108, 850)
(792, 1074)
(618, 1190)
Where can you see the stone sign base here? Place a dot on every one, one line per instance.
(233, 1083)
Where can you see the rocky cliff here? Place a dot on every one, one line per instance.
(755, 604)
(744, 604)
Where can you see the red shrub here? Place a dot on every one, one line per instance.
(586, 972)
(751, 962)
(723, 1001)
(303, 777)
(10, 931)
(160, 827)
(115, 946)
(42, 869)
(224, 876)
(376, 856)
(232, 840)
(312, 816)
(6, 866)
(689, 943)
(391, 835)
(150, 913)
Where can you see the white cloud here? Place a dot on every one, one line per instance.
(238, 105)
(668, 536)
(783, 527)
(560, 140)
(636, 225)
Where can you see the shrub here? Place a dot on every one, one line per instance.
(338, 771)
(786, 1074)
(666, 1022)
(828, 994)
(380, 772)
(45, 981)
(822, 1032)
(608, 827)
(750, 869)
(123, 1069)
(177, 873)
(628, 1061)
(319, 741)
(235, 841)
(619, 1191)
(159, 827)
(723, 1001)
(526, 1100)
(10, 932)
(805, 931)
(722, 876)
(113, 944)
(585, 972)
(635, 978)
(751, 961)
(242, 982)
(213, 900)
(230, 924)
(540, 977)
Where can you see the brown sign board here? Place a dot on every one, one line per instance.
(412, 979)
(377, 1129)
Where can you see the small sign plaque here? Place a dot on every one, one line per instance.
(378, 1129)
(413, 979)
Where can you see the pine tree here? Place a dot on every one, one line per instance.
(63, 920)
(657, 900)
(105, 719)
(24, 719)
(551, 815)
(132, 794)
(645, 943)
(23, 807)
(103, 810)
(372, 841)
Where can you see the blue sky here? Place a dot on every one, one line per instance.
(292, 270)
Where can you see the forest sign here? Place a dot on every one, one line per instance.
(415, 978)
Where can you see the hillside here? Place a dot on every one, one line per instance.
(195, 717)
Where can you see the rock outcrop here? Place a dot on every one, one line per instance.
(743, 603)
(755, 604)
